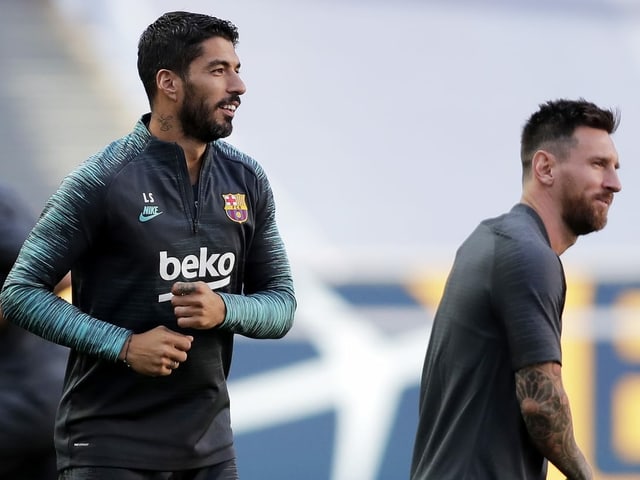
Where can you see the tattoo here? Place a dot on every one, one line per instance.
(546, 413)
(166, 123)
(187, 288)
(542, 407)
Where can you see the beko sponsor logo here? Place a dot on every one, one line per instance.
(199, 266)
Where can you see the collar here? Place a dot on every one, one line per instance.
(521, 208)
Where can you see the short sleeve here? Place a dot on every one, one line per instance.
(528, 295)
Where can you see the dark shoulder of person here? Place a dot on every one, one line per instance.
(16, 221)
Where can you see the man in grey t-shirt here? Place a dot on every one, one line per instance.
(492, 403)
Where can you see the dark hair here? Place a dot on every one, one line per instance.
(553, 125)
(174, 40)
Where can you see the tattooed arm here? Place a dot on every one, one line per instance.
(545, 408)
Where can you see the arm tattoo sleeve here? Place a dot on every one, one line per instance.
(546, 413)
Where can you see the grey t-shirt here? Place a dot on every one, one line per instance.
(501, 311)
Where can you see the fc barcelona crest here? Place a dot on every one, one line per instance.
(235, 206)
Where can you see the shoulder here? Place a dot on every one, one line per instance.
(518, 230)
(230, 153)
(520, 223)
(521, 245)
(98, 168)
(523, 251)
(13, 210)
(522, 230)
(16, 220)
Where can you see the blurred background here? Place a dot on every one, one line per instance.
(388, 131)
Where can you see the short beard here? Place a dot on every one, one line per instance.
(196, 118)
(581, 216)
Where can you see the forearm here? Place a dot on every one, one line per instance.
(260, 315)
(45, 314)
(547, 415)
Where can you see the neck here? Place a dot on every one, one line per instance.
(560, 237)
(193, 153)
(166, 128)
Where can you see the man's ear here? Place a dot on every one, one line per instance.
(542, 164)
(168, 84)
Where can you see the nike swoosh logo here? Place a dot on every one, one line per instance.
(146, 218)
(165, 297)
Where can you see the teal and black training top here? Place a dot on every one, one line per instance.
(128, 224)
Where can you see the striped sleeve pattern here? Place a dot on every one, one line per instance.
(61, 235)
(41, 312)
(268, 307)
(260, 315)
(269, 312)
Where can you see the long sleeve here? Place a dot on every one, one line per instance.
(61, 235)
(267, 307)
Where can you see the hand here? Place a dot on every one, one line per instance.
(197, 306)
(156, 352)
